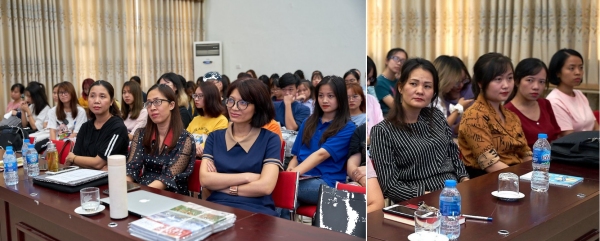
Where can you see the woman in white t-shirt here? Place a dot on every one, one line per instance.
(66, 118)
(35, 108)
(571, 108)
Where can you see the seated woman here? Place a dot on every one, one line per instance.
(490, 137)
(321, 147)
(174, 81)
(455, 92)
(571, 108)
(412, 149)
(65, 119)
(104, 134)
(35, 115)
(304, 95)
(241, 164)
(133, 111)
(384, 89)
(316, 77)
(85, 92)
(535, 113)
(163, 154)
(374, 195)
(16, 91)
(210, 118)
(357, 157)
(371, 80)
(357, 103)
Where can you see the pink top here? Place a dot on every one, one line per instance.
(374, 114)
(13, 106)
(572, 113)
(133, 124)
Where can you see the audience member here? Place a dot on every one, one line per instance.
(357, 158)
(316, 77)
(55, 94)
(289, 113)
(299, 74)
(305, 96)
(356, 102)
(173, 80)
(190, 87)
(251, 73)
(139, 81)
(35, 115)
(16, 92)
(66, 118)
(371, 80)
(352, 76)
(210, 114)
(133, 112)
(225, 82)
(85, 90)
(386, 82)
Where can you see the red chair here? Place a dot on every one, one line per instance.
(63, 149)
(308, 211)
(282, 152)
(597, 115)
(194, 185)
(286, 191)
(351, 188)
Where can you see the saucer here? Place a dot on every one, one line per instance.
(508, 195)
(80, 210)
(430, 235)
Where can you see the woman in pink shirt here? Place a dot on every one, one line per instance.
(571, 108)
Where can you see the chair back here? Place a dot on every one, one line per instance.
(282, 152)
(351, 188)
(286, 190)
(194, 180)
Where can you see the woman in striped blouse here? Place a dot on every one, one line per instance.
(412, 149)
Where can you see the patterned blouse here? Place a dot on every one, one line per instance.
(173, 168)
(484, 140)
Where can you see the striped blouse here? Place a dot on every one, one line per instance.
(408, 163)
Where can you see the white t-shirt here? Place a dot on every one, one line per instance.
(71, 125)
(39, 119)
(572, 113)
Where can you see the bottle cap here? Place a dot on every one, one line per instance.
(450, 183)
(9, 148)
(26, 141)
(542, 136)
(31, 146)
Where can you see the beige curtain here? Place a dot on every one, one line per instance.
(51, 41)
(470, 28)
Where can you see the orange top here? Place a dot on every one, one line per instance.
(275, 128)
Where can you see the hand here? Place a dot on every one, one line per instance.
(251, 177)
(211, 166)
(288, 99)
(14, 112)
(293, 164)
(199, 150)
(25, 108)
(359, 173)
(363, 181)
(465, 103)
(464, 179)
(301, 98)
(69, 159)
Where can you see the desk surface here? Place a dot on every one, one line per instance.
(537, 215)
(58, 209)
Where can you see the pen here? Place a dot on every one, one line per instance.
(477, 217)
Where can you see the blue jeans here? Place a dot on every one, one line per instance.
(308, 194)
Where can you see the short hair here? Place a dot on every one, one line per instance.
(486, 68)
(357, 89)
(371, 66)
(558, 61)
(213, 106)
(255, 92)
(21, 87)
(136, 79)
(113, 109)
(527, 67)
(176, 124)
(138, 102)
(288, 79)
(299, 74)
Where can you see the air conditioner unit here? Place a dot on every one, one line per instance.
(208, 56)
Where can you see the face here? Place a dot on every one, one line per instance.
(289, 90)
(86, 88)
(168, 83)
(64, 96)
(99, 100)
(199, 99)
(459, 84)
(302, 90)
(370, 76)
(532, 86)
(396, 61)
(350, 79)
(417, 92)
(237, 113)
(161, 113)
(571, 72)
(277, 92)
(327, 99)
(15, 94)
(28, 97)
(316, 80)
(354, 100)
(127, 96)
(500, 87)
(55, 94)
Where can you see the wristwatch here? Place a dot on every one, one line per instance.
(233, 190)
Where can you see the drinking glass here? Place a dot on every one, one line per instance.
(90, 198)
(508, 183)
(427, 224)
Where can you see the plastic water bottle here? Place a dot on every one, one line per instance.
(540, 178)
(11, 176)
(33, 169)
(24, 153)
(450, 204)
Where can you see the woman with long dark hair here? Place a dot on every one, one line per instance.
(66, 118)
(162, 154)
(133, 112)
(34, 111)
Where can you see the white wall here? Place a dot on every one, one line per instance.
(278, 36)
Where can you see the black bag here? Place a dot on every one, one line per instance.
(578, 148)
(12, 136)
(333, 213)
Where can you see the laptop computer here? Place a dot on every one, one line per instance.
(144, 203)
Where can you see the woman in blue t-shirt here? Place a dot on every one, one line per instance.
(321, 147)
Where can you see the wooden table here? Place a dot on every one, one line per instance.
(558, 214)
(31, 212)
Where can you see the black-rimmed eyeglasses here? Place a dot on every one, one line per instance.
(241, 104)
(156, 102)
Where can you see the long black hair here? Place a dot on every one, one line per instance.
(37, 93)
(113, 109)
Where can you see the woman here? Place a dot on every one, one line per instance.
(190, 87)
(66, 118)
(371, 80)
(139, 81)
(489, 136)
(299, 74)
(356, 102)
(241, 164)
(535, 113)
(35, 115)
(55, 94)
(85, 90)
(133, 111)
(163, 154)
(210, 114)
(104, 134)
(316, 77)
(387, 80)
(352, 76)
(172, 80)
(16, 91)
(251, 73)
(225, 82)
(276, 93)
(321, 147)
(571, 107)
(412, 149)
(304, 95)
(455, 90)
(357, 158)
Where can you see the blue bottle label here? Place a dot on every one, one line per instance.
(541, 156)
(10, 166)
(32, 158)
(449, 208)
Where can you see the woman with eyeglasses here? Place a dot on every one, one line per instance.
(104, 134)
(133, 111)
(304, 95)
(455, 93)
(210, 114)
(241, 164)
(352, 76)
(386, 82)
(175, 83)
(321, 147)
(65, 119)
(356, 102)
(163, 154)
